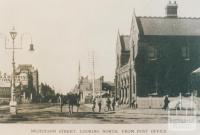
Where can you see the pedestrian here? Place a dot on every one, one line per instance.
(77, 102)
(108, 102)
(121, 102)
(61, 103)
(99, 104)
(70, 97)
(113, 104)
(93, 104)
(166, 102)
(133, 103)
(117, 103)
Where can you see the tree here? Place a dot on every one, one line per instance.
(47, 94)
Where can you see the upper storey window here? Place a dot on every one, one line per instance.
(185, 52)
(152, 53)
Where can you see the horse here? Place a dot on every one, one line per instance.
(71, 99)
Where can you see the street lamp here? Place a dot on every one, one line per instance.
(31, 47)
(13, 102)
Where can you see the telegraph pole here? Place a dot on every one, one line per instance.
(92, 62)
(79, 81)
(79, 72)
(93, 73)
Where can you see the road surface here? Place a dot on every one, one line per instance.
(50, 113)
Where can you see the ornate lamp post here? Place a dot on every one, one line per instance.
(13, 102)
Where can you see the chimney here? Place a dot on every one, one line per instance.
(171, 9)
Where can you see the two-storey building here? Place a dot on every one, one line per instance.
(158, 56)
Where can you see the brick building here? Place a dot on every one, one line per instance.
(158, 56)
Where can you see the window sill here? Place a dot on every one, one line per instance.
(187, 59)
(152, 59)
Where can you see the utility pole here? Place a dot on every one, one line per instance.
(92, 61)
(79, 81)
(93, 81)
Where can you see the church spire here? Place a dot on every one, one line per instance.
(79, 71)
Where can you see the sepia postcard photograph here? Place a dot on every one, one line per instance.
(99, 67)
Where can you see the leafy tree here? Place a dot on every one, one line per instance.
(47, 94)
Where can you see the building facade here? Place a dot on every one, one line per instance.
(158, 56)
(30, 87)
(103, 87)
(5, 86)
(27, 84)
(85, 88)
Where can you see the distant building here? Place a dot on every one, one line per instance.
(98, 86)
(84, 87)
(102, 87)
(158, 55)
(27, 84)
(5, 86)
(109, 88)
(31, 88)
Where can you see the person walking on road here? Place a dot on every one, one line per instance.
(93, 104)
(166, 102)
(99, 104)
(108, 102)
(113, 104)
(117, 102)
(133, 103)
(61, 103)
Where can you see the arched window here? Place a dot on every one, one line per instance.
(185, 52)
(152, 52)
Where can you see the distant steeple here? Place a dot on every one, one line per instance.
(79, 71)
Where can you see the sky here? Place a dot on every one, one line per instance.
(65, 32)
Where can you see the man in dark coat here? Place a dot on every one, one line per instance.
(108, 102)
(166, 102)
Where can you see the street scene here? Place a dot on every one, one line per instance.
(72, 62)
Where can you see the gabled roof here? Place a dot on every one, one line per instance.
(166, 26)
(124, 39)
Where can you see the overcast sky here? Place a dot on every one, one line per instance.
(66, 31)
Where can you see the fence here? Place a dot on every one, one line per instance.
(4, 101)
(158, 102)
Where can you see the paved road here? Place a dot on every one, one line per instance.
(50, 113)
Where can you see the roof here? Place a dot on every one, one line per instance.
(125, 42)
(25, 67)
(110, 83)
(166, 26)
